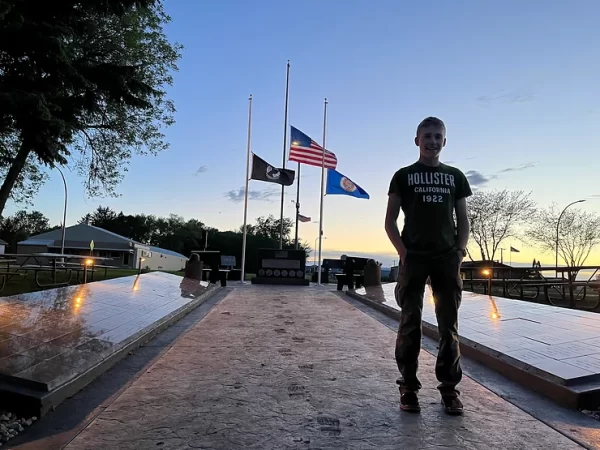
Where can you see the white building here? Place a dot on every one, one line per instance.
(161, 259)
(125, 252)
(3, 245)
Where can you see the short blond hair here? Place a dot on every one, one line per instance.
(431, 122)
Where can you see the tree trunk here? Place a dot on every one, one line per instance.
(12, 175)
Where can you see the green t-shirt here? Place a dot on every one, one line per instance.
(428, 196)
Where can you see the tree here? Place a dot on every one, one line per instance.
(578, 233)
(31, 177)
(82, 86)
(495, 216)
(21, 225)
(269, 227)
(177, 234)
(103, 217)
(139, 227)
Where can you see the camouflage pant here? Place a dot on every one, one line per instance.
(446, 285)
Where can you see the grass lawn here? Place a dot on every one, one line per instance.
(22, 285)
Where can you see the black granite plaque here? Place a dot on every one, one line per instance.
(281, 267)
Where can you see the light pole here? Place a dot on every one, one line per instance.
(315, 249)
(64, 224)
(557, 226)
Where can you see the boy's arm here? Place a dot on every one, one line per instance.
(391, 225)
(463, 227)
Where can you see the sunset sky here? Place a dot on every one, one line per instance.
(516, 83)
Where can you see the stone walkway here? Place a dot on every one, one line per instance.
(298, 368)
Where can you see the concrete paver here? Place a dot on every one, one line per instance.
(298, 368)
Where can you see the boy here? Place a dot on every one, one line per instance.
(429, 194)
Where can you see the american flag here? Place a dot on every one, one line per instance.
(302, 218)
(306, 151)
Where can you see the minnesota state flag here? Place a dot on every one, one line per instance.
(338, 184)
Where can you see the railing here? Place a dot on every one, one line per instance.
(527, 283)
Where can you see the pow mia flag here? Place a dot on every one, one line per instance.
(263, 171)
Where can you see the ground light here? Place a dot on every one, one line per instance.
(87, 263)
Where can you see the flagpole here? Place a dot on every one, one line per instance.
(322, 183)
(297, 205)
(246, 191)
(285, 127)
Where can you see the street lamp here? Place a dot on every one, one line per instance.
(64, 224)
(557, 226)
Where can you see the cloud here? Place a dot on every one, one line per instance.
(514, 96)
(525, 166)
(477, 178)
(200, 170)
(237, 195)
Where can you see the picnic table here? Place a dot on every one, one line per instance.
(352, 271)
(342, 279)
(84, 265)
(208, 274)
(91, 270)
(530, 282)
(6, 259)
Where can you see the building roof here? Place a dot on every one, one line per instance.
(3, 242)
(41, 242)
(479, 264)
(166, 252)
(80, 236)
(82, 232)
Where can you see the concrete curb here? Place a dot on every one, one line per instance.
(31, 402)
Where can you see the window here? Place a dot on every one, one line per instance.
(125, 259)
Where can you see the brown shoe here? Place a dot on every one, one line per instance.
(410, 402)
(452, 405)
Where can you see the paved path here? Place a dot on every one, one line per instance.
(298, 368)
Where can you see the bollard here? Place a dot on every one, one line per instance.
(193, 268)
(223, 278)
(372, 274)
